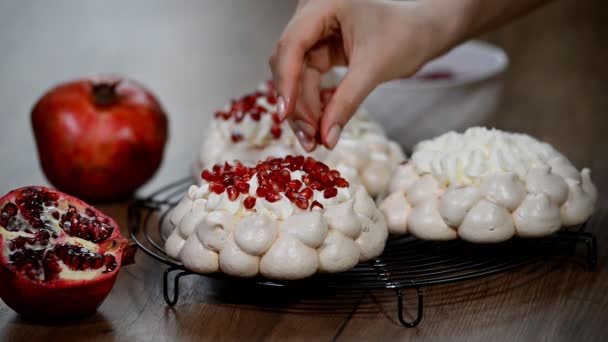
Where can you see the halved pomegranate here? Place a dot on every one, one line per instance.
(59, 256)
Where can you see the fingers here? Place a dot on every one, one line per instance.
(326, 54)
(353, 89)
(305, 29)
(304, 121)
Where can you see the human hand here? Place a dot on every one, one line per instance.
(378, 40)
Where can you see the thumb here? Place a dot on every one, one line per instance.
(349, 95)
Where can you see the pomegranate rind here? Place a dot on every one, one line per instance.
(106, 164)
(61, 300)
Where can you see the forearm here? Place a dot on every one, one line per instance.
(459, 20)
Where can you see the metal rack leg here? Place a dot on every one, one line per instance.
(400, 309)
(590, 242)
(171, 301)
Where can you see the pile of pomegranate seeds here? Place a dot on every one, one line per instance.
(274, 181)
(248, 106)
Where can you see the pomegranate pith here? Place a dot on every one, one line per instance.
(59, 256)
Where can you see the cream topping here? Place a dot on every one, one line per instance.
(279, 210)
(456, 158)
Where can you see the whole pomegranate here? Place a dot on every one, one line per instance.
(59, 256)
(99, 139)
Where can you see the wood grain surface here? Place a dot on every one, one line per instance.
(195, 55)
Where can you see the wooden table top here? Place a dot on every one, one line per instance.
(196, 56)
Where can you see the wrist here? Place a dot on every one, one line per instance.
(449, 23)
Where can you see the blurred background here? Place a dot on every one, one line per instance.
(195, 55)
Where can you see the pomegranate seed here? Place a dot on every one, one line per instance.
(275, 118)
(275, 175)
(256, 115)
(317, 186)
(316, 204)
(262, 174)
(309, 164)
(272, 196)
(307, 193)
(271, 99)
(320, 167)
(239, 116)
(342, 183)
(295, 184)
(236, 137)
(330, 192)
(242, 187)
(217, 188)
(206, 175)
(335, 174)
(228, 178)
(307, 179)
(233, 193)
(249, 101)
(97, 263)
(279, 187)
(227, 166)
(217, 170)
(110, 263)
(266, 165)
(219, 114)
(301, 202)
(240, 171)
(291, 195)
(295, 164)
(249, 202)
(324, 178)
(285, 175)
(276, 131)
(10, 210)
(261, 191)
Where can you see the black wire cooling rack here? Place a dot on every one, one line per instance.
(407, 263)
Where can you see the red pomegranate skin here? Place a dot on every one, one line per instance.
(59, 299)
(99, 139)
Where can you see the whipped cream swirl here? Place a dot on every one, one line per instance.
(456, 158)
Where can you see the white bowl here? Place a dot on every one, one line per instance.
(419, 108)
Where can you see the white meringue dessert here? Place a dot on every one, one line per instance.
(249, 130)
(485, 186)
(285, 218)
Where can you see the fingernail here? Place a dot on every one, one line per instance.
(305, 141)
(304, 126)
(333, 135)
(281, 108)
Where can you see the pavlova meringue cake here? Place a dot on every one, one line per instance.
(285, 218)
(486, 185)
(249, 130)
